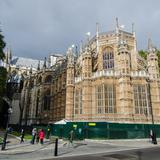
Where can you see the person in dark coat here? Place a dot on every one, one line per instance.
(34, 132)
(22, 136)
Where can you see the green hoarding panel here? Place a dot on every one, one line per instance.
(104, 130)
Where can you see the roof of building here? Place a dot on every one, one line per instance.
(26, 62)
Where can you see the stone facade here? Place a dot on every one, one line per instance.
(106, 81)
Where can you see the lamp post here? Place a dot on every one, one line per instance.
(154, 139)
(6, 133)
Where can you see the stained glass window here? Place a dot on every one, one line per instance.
(108, 58)
(78, 102)
(105, 99)
(140, 99)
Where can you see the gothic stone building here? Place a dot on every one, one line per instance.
(106, 81)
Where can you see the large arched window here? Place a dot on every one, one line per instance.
(105, 98)
(37, 103)
(40, 79)
(48, 79)
(47, 98)
(78, 101)
(108, 58)
(32, 83)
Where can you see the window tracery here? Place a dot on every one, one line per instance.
(108, 58)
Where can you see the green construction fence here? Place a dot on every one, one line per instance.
(104, 130)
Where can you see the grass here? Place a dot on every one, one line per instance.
(26, 136)
(1, 139)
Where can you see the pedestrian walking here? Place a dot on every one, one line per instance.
(41, 136)
(34, 132)
(48, 133)
(37, 136)
(154, 139)
(22, 136)
(70, 138)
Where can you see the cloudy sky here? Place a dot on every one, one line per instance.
(36, 28)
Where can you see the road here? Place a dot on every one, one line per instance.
(48, 154)
(136, 154)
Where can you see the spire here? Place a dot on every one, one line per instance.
(70, 55)
(133, 30)
(151, 49)
(30, 71)
(9, 54)
(97, 36)
(38, 67)
(76, 51)
(149, 44)
(97, 29)
(117, 25)
(6, 56)
(45, 63)
(81, 46)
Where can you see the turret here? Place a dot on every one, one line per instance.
(70, 85)
(124, 66)
(152, 61)
(86, 63)
(125, 97)
(153, 82)
(70, 66)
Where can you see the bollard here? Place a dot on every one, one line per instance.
(56, 148)
(4, 141)
(154, 138)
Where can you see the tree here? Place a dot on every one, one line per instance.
(3, 71)
(158, 55)
(143, 54)
(2, 46)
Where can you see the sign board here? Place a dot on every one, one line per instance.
(91, 124)
(75, 126)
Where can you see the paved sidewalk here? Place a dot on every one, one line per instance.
(79, 147)
(45, 151)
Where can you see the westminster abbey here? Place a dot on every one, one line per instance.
(106, 80)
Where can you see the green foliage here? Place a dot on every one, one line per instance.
(18, 134)
(3, 72)
(158, 55)
(2, 46)
(1, 139)
(3, 78)
(143, 54)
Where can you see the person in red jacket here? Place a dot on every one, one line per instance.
(41, 136)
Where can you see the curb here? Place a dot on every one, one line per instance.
(116, 150)
(38, 147)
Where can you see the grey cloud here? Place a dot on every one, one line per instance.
(34, 28)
